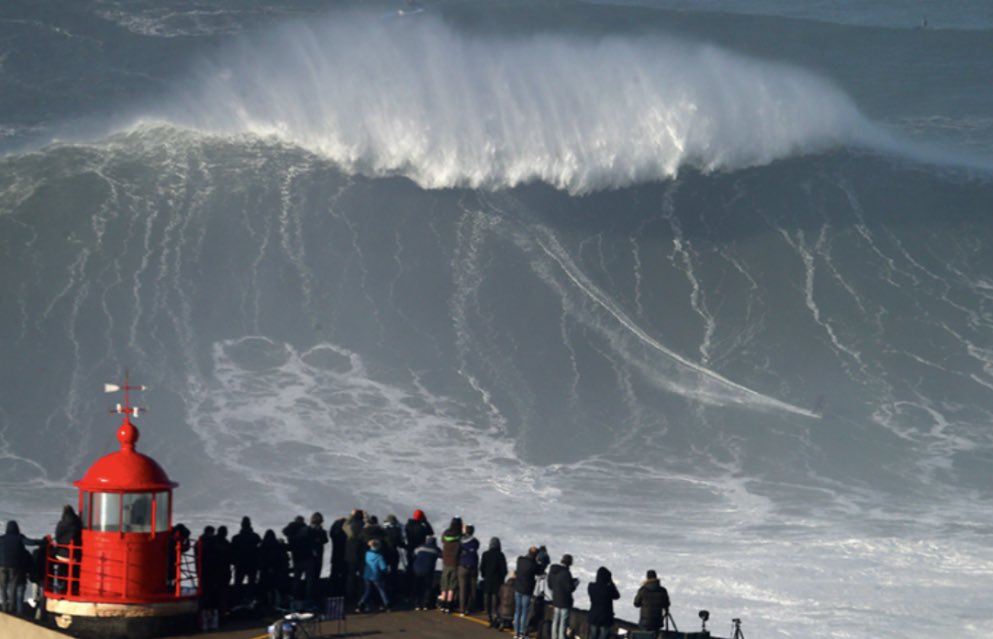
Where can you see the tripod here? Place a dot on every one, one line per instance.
(738, 634)
(667, 619)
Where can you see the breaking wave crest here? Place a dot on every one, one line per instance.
(419, 98)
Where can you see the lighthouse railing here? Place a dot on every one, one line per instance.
(61, 575)
(108, 575)
(187, 580)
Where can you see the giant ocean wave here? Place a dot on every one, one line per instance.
(421, 99)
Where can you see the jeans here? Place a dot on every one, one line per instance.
(9, 577)
(380, 586)
(560, 622)
(521, 604)
(599, 632)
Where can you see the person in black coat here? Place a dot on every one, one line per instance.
(298, 540)
(245, 554)
(393, 545)
(653, 599)
(339, 563)
(527, 573)
(562, 584)
(68, 534)
(493, 570)
(416, 531)
(274, 570)
(317, 538)
(14, 566)
(602, 594)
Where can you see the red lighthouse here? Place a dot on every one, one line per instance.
(128, 575)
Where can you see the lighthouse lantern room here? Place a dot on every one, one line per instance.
(126, 574)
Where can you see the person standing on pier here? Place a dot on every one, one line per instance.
(562, 584)
(317, 538)
(653, 599)
(468, 571)
(339, 560)
(450, 543)
(527, 573)
(425, 559)
(493, 570)
(416, 530)
(245, 553)
(14, 564)
(602, 593)
(374, 576)
(355, 552)
(393, 545)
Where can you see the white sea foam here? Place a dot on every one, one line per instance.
(445, 108)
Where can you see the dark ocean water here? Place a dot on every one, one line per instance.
(705, 288)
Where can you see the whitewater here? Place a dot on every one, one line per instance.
(698, 287)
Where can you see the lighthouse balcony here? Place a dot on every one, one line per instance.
(133, 569)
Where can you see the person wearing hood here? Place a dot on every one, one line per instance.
(468, 571)
(425, 559)
(653, 599)
(245, 554)
(493, 570)
(562, 584)
(602, 594)
(68, 533)
(15, 562)
(374, 576)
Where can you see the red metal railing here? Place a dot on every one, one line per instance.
(107, 578)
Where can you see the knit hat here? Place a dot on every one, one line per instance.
(418, 515)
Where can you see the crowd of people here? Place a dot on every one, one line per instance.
(372, 566)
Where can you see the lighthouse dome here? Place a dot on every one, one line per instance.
(126, 469)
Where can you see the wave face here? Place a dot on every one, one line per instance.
(420, 99)
(466, 264)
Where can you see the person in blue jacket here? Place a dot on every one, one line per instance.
(425, 559)
(374, 576)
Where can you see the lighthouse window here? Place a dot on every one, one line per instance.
(137, 512)
(162, 512)
(106, 512)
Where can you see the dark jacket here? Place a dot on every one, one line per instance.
(469, 552)
(298, 540)
(69, 530)
(426, 557)
(527, 571)
(417, 532)
(339, 539)
(245, 548)
(393, 543)
(450, 544)
(12, 550)
(652, 598)
(562, 585)
(493, 567)
(602, 593)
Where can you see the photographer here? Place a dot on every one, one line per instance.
(653, 599)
